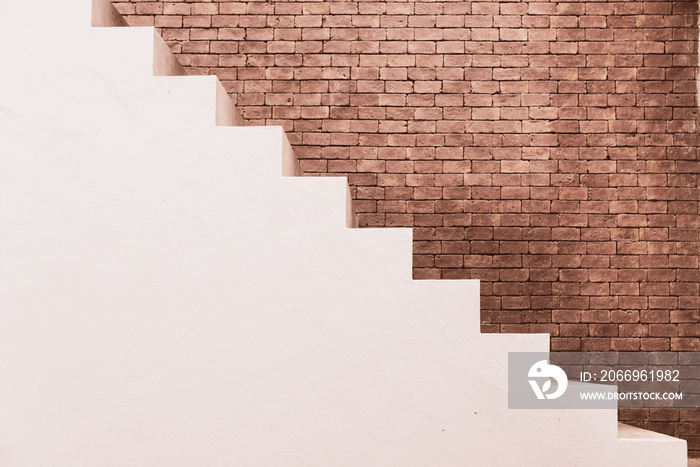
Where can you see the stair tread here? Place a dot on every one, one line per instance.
(630, 432)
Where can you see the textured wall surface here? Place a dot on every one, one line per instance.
(546, 148)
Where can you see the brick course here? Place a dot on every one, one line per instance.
(546, 148)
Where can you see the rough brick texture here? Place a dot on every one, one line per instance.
(546, 148)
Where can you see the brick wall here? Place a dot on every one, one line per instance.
(546, 148)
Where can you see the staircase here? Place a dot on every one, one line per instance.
(173, 295)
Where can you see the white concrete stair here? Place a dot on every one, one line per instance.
(170, 298)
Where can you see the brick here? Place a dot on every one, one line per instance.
(545, 147)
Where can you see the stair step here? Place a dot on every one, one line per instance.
(651, 448)
(632, 433)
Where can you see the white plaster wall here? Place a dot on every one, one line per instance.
(169, 298)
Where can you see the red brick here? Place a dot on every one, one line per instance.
(548, 145)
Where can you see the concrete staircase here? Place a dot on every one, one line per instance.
(169, 297)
